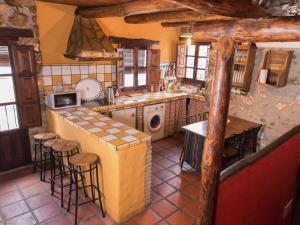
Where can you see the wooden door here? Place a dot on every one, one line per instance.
(181, 61)
(19, 111)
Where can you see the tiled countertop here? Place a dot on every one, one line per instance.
(115, 134)
(136, 100)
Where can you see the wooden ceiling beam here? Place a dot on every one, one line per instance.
(232, 8)
(171, 16)
(82, 3)
(125, 9)
(250, 30)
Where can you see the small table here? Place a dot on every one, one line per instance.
(196, 133)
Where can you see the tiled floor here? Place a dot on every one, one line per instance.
(24, 200)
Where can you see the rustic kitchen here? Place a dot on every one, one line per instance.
(150, 112)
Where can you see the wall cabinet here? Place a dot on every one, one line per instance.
(243, 66)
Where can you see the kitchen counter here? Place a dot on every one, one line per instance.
(124, 152)
(135, 100)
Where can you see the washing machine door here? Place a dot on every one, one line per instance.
(154, 122)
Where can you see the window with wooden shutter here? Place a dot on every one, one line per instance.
(26, 86)
(192, 62)
(138, 69)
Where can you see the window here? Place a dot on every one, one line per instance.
(8, 107)
(135, 68)
(197, 58)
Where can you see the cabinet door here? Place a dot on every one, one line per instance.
(181, 60)
(26, 86)
(153, 67)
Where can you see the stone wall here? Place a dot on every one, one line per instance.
(278, 109)
(24, 16)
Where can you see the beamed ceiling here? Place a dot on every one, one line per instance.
(180, 12)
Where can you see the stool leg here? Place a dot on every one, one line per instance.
(70, 187)
(34, 160)
(76, 196)
(41, 161)
(82, 180)
(92, 186)
(51, 169)
(61, 164)
(54, 175)
(99, 193)
(45, 166)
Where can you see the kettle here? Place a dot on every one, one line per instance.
(110, 94)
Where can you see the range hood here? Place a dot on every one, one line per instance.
(88, 42)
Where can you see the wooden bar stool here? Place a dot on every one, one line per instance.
(80, 164)
(62, 151)
(48, 151)
(39, 140)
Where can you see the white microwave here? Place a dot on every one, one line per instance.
(62, 100)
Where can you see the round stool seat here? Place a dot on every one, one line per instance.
(83, 159)
(50, 143)
(59, 145)
(44, 136)
(70, 146)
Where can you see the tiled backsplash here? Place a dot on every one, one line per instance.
(69, 75)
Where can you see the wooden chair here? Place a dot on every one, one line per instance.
(251, 138)
(234, 148)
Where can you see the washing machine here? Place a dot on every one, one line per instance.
(154, 121)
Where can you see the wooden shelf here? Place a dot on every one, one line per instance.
(243, 66)
(277, 62)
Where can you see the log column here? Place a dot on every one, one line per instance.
(214, 142)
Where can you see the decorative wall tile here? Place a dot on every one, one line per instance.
(69, 75)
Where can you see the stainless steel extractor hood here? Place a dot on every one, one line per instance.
(88, 42)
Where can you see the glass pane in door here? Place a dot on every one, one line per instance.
(191, 49)
(142, 77)
(142, 58)
(189, 73)
(7, 91)
(5, 67)
(8, 117)
(128, 57)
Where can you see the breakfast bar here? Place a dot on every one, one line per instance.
(125, 157)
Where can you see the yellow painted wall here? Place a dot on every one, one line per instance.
(55, 22)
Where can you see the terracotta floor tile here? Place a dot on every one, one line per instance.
(156, 157)
(174, 157)
(13, 210)
(165, 175)
(47, 212)
(24, 219)
(147, 218)
(27, 180)
(178, 199)
(34, 189)
(191, 177)
(156, 168)
(7, 187)
(177, 182)
(164, 189)
(163, 208)
(192, 191)
(162, 223)
(156, 181)
(165, 153)
(155, 197)
(10, 197)
(58, 220)
(165, 163)
(85, 212)
(191, 209)
(176, 169)
(40, 200)
(180, 218)
(129, 222)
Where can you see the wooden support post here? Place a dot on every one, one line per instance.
(214, 142)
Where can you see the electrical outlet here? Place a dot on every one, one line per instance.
(287, 210)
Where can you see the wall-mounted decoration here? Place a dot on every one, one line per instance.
(274, 68)
(243, 66)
